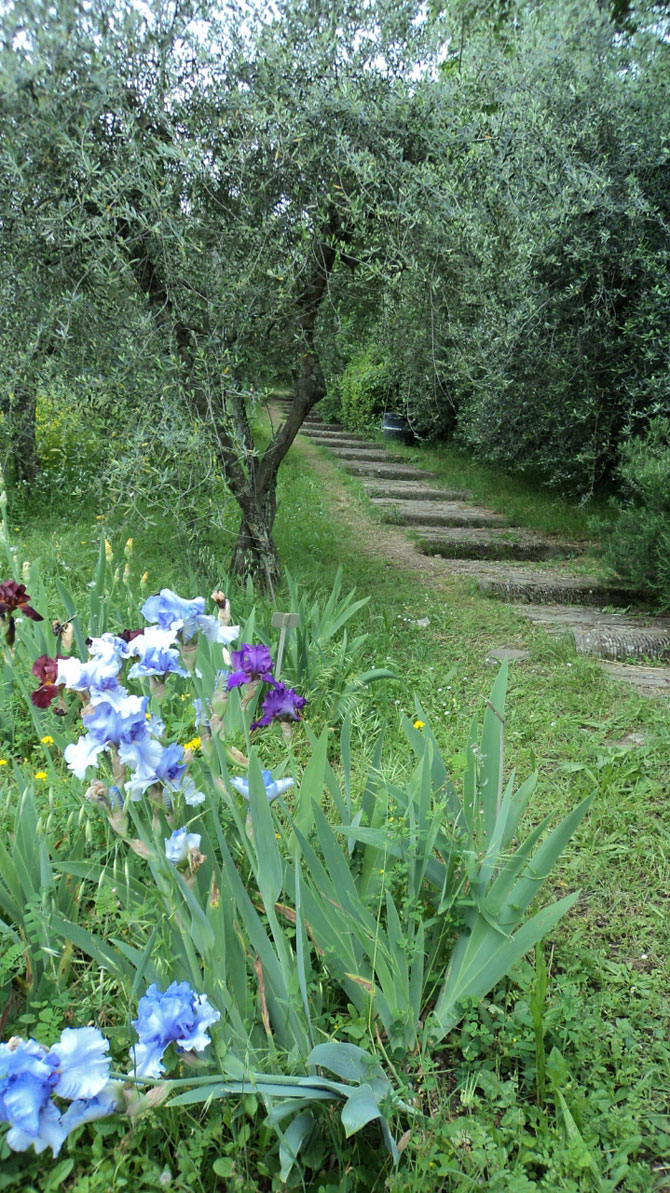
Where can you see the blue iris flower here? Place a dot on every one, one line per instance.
(155, 655)
(76, 1069)
(177, 1015)
(125, 727)
(273, 787)
(170, 610)
(100, 670)
(180, 844)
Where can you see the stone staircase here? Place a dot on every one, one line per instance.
(480, 542)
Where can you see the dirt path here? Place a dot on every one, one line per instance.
(379, 540)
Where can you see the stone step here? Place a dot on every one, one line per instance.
(649, 681)
(411, 491)
(537, 587)
(332, 442)
(438, 513)
(467, 543)
(606, 634)
(373, 454)
(390, 471)
(325, 438)
(335, 442)
(312, 426)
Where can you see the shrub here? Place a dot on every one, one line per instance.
(639, 544)
(368, 387)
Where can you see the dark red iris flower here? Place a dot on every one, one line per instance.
(14, 599)
(129, 635)
(46, 670)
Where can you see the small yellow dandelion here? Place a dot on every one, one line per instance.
(3, 762)
(47, 740)
(419, 724)
(40, 774)
(193, 744)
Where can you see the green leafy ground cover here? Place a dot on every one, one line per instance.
(556, 1084)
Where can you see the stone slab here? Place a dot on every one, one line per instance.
(334, 437)
(465, 543)
(605, 634)
(372, 453)
(649, 681)
(533, 586)
(509, 654)
(438, 513)
(405, 472)
(411, 491)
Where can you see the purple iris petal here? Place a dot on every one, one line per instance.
(252, 663)
(280, 704)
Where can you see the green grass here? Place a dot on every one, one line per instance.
(604, 1125)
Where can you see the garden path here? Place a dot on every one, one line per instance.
(439, 533)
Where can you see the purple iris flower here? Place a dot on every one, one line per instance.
(176, 1015)
(76, 1069)
(280, 704)
(253, 663)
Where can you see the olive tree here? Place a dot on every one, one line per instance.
(221, 173)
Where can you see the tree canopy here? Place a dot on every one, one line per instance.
(197, 201)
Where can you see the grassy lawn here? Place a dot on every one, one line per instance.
(602, 1122)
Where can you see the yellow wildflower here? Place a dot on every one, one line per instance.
(48, 740)
(419, 724)
(193, 744)
(40, 774)
(3, 762)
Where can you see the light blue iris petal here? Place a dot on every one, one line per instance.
(83, 1067)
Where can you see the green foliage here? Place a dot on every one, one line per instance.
(530, 317)
(409, 918)
(367, 387)
(638, 543)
